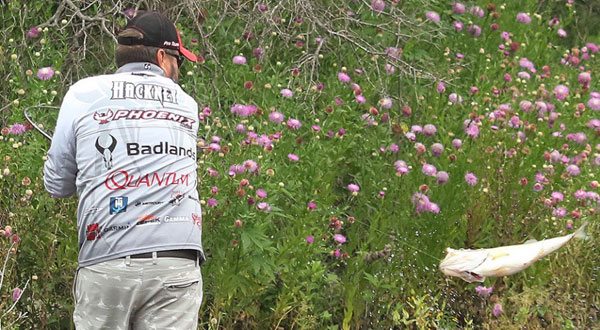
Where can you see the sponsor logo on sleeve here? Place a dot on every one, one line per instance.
(118, 204)
(106, 144)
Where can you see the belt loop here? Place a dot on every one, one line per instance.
(128, 260)
(197, 259)
(154, 258)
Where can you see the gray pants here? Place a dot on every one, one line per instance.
(153, 293)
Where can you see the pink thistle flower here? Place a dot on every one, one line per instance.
(293, 157)
(378, 6)
(294, 124)
(386, 103)
(33, 32)
(211, 202)
(16, 294)
(471, 179)
(276, 117)
(442, 177)
(312, 205)
(458, 8)
(344, 77)
(471, 128)
(214, 190)
(263, 206)
(525, 105)
(287, 93)
(477, 11)
(441, 87)
(239, 60)
(559, 212)
(261, 193)
(339, 238)
(573, 170)
(594, 103)
(524, 75)
(437, 149)
(212, 172)
(523, 18)
(401, 167)
(474, 30)
(458, 26)
(561, 92)
(353, 188)
(456, 143)
(429, 170)
(17, 129)
(45, 73)
(561, 33)
(310, 239)
(394, 148)
(429, 130)
(250, 166)
(538, 187)
(483, 291)
(390, 69)
(455, 98)
(497, 310)
(433, 16)
(584, 78)
(240, 128)
(360, 99)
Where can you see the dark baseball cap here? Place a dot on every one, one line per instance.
(158, 31)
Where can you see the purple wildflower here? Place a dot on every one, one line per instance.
(523, 18)
(497, 310)
(33, 32)
(344, 77)
(429, 170)
(442, 177)
(353, 188)
(483, 291)
(211, 202)
(16, 294)
(239, 60)
(17, 129)
(294, 124)
(287, 93)
(293, 157)
(433, 16)
(339, 238)
(471, 179)
(45, 73)
(310, 239)
(276, 117)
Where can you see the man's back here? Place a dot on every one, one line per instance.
(134, 137)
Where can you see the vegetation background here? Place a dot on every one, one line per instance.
(327, 124)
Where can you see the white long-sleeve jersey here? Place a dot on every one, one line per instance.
(126, 144)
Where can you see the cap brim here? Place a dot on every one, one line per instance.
(186, 53)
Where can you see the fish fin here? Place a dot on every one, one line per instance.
(529, 241)
(580, 233)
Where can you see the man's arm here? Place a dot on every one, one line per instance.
(60, 169)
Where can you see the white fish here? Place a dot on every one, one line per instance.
(476, 265)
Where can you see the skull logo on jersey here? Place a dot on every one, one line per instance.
(106, 144)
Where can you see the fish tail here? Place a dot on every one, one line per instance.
(580, 233)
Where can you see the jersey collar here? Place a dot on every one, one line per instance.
(141, 67)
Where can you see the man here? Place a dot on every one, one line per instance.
(126, 144)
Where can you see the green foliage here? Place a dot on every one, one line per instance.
(263, 270)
